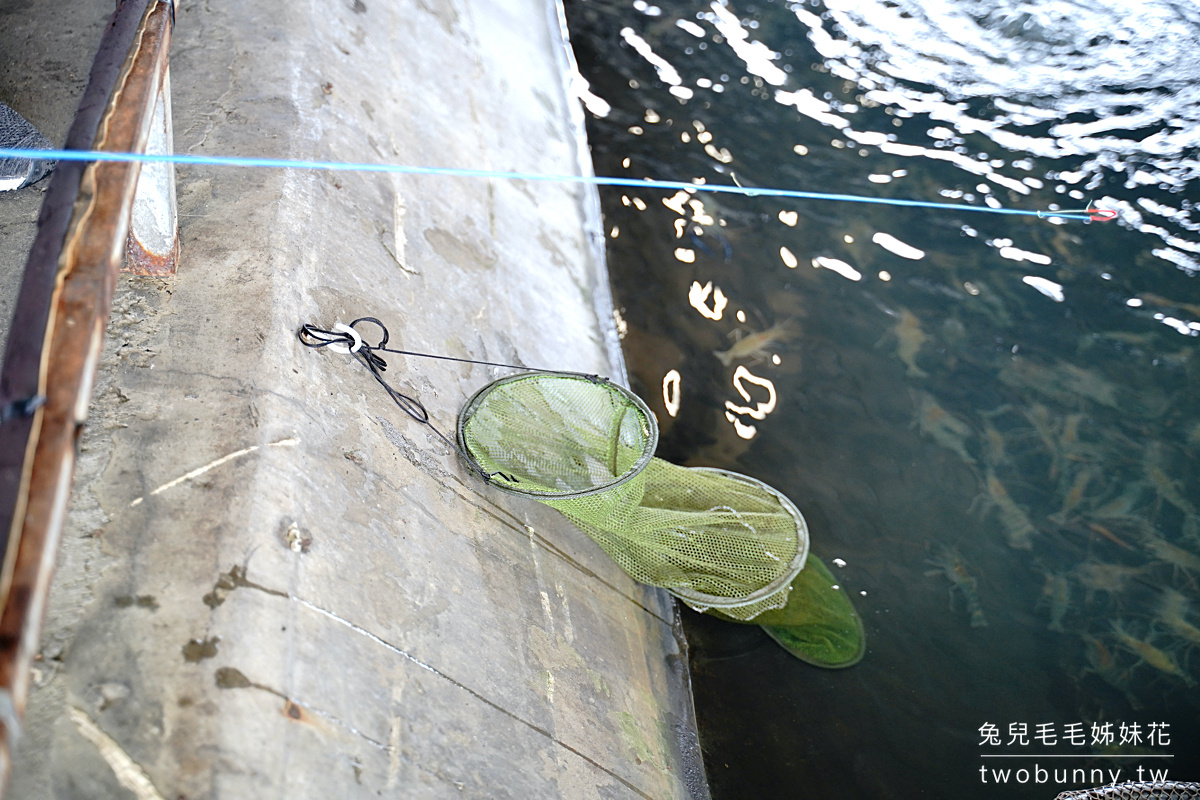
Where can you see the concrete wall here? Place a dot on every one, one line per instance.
(335, 607)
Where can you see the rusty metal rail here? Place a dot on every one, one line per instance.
(61, 314)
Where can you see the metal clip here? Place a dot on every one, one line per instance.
(346, 349)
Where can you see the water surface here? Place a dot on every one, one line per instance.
(990, 420)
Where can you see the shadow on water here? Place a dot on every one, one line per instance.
(990, 422)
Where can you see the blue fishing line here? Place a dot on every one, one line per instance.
(454, 172)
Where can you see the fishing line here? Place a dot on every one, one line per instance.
(1086, 215)
(348, 341)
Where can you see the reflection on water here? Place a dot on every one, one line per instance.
(989, 421)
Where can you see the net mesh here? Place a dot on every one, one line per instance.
(584, 446)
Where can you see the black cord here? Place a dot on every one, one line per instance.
(314, 337)
(318, 337)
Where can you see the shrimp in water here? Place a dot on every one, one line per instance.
(1018, 528)
(757, 345)
(994, 447)
(1057, 593)
(1178, 558)
(1074, 495)
(1039, 416)
(909, 340)
(1149, 654)
(1167, 489)
(1097, 576)
(1102, 662)
(951, 564)
(943, 427)
(1172, 614)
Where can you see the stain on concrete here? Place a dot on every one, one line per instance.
(228, 581)
(445, 13)
(460, 252)
(419, 458)
(197, 650)
(231, 678)
(224, 585)
(635, 740)
(556, 654)
(546, 102)
(293, 711)
(145, 601)
(556, 255)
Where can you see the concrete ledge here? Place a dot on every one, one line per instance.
(335, 607)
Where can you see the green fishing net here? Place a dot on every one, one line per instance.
(722, 542)
(719, 541)
(819, 624)
(585, 447)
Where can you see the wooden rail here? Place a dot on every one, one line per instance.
(58, 331)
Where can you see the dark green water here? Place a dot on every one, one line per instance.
(1009, 404)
